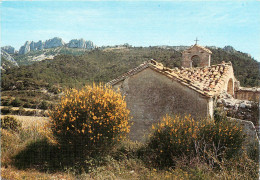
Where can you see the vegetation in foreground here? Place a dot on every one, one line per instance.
(216, 152)
(90, 121)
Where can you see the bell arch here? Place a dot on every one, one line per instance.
(195, 60)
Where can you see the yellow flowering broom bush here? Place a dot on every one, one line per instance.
(177, 136)
(92, 119)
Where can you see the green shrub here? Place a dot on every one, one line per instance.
(16, 102)
(90, 120)
(219, 114)
(10, 123)
(223, 138)
(21, 111)
(44, 105)
(253, 151)
(27, 105)
(6, 110)
(175, 137)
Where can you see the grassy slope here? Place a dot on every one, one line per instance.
(27, 59)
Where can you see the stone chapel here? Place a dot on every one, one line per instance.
(152, 90)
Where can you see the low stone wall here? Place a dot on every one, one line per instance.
(251, 94)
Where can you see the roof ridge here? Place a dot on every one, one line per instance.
(199, 46)
(205, 80)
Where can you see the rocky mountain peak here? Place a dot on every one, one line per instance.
(53, 43)
(8, 49)
(81, 43)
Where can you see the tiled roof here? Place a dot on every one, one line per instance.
(201, 47)
(205, 80)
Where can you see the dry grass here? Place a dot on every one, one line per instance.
(30, 121)
(17, 108)
(121, 165)
(15, 174)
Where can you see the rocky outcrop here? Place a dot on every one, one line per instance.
(8, 49)
(34, 46)
(25, 48)
(31, 46)
(55, 42)
(229, 49)
(241, 109)
(81, 43)
(77, 43)
(37, 45)
(8, 58)
(90, 45)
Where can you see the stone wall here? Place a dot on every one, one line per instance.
(251, 94)
(151, 95)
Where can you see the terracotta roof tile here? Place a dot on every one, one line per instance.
(205, 80)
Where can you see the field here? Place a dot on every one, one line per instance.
(26, 155)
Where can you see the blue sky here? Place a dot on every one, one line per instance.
(139, 23)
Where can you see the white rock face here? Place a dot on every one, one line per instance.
(77, 43)
(31, 46)
(90, 45)
(81, 43)
(25, 48)
(55, 42)
(8, 57)
(34, 46)
(8, 49)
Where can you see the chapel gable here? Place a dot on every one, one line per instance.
(196, 56)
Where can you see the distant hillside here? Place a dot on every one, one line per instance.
(39, 55)
(7, 64)
(104, 65)
(97, 65)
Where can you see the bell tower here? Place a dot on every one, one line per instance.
(196, 56)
